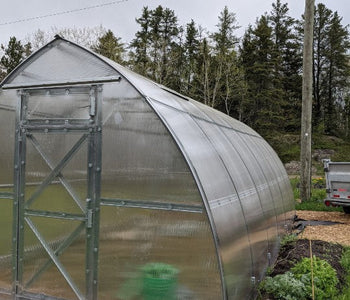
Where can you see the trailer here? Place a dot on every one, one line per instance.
(337, 184)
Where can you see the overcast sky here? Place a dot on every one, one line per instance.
(120, 17)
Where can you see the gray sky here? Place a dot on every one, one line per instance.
(120, 17)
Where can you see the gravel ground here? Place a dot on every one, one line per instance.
(337, 233)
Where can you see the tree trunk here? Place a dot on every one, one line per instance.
(306, 114)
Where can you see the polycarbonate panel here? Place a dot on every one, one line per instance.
(223, 119)
(8, 103)
(284, 182)
(50, 282)
(61, 62)
(251, 204)
(56, 196)
(274, 179)
(140, 160)
(262, 185)
(5, 295)
(5, 243)
(225, 207)
(132, 238)
(62, 105)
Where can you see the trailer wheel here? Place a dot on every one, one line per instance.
(346, 209)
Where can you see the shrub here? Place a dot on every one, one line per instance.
(325, 277)
(285, 287)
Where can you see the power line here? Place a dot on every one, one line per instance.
(63, 12)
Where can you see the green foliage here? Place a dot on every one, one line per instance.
(345, 263)
(110, 46)
(345, 260)
(14, 53)
(285, 286)
(288, 239)
(317, 196)
(324, 277)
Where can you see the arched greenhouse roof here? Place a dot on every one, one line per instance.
(243, 185)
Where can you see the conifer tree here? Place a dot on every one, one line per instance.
(191, 51)
(287, 58)
(263, 108)
(338, 71)
(141, 43)
(110, 46)
(14, 53)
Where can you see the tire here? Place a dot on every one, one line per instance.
(346, 209)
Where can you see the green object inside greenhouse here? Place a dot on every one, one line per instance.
(159, 281)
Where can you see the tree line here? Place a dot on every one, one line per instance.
(255, 78)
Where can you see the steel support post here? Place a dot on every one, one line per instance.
(19, 196)
(94, 191)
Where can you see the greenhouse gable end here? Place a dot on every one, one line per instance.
(115, 187)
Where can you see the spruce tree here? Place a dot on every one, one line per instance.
(224, 41)
(321, 27)
(141, 43)
(110, 46)
(14, 53)
(191, 51)
(263, 108)
(337, 76)
(287, 58)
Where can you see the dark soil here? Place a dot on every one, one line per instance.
(293, 252)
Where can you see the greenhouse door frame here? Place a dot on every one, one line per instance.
(90, 129)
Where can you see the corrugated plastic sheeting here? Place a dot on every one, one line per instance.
(67, 106)
(269, 199)
(224, 203)
(287, 192)
(8, 103)
(140, 159)
(60, 62)
(7, 121)
(275, 175)
(55, 148)
(247, 194)
(52, 282)
(130, 238)
(5, 244)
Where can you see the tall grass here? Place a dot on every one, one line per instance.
(318, 194)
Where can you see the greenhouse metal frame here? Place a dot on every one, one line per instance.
(149, 171)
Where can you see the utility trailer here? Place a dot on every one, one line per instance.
(337, 184)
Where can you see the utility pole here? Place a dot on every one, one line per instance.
(306, 114)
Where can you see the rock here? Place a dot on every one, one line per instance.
(320, 154)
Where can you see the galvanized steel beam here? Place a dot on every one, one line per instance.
(151, 205)
(19, 197)
(94, 193)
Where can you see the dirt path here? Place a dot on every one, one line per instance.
(337, 233)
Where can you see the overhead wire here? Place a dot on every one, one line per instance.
(63, 12)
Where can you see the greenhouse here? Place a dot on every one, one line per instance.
(115, 187)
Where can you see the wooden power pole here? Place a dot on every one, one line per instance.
(306, 114)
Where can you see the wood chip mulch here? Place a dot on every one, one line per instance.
(338, 233)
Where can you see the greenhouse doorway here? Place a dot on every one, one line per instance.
(57, 191)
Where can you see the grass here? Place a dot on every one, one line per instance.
(318, 194)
